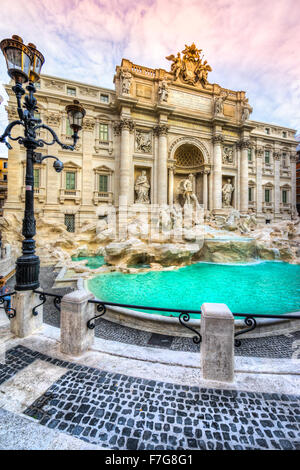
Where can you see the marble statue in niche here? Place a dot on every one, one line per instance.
(125, 81)
(142, 187)
(186, 191)
(227, 191)
(163, 92)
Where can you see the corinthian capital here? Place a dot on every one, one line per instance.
(123, 124)
(244, 144)
(162, 129)
(259, 152)
(276, 155)
(217, 139)
(294, 157)
(127, 124)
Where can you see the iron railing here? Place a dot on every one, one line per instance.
(184, 315)
(10, 312)
(250, 319)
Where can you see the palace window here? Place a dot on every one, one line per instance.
(267, 195)
(69, 131)
(70, 180)
(104, 98)
(103, 183)
(284, 134)
(36, 177)
(103, 132)
(250, 194)
(250, 155)
(71, 91)
(5, 165)
(267, 130)
(70, 222)
(267, 156)
(284, 196)
(5, 177)
(284, 160)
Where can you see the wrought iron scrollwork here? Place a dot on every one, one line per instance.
(185, 317)
(101, 309)
(10, 311)
(57, 302)
(250, 322)
(43, 298)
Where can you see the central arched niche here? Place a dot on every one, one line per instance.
(188, 159)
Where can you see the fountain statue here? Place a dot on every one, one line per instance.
(227, 191)
(187, 192)
(142, 187)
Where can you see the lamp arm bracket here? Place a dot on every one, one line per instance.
(7, 133)
(42, 142)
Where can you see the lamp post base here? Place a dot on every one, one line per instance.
(27, 272)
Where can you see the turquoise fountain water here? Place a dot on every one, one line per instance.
(265, 287)
(94, 262)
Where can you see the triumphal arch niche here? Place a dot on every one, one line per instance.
(189, 163)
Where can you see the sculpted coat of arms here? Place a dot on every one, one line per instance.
(190, 67)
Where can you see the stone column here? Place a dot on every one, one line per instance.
(162, 175)
(126, 126)
(217, 347)
(244, 145)
(76, 337)
(210, 191)
(293, 160)
(171, 185)
(217, 174)
(25, 323)
(276, 156)
(205, 173)
(259, 191)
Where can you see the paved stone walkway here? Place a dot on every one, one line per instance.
(117, 411)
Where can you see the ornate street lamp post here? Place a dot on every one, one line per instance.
(24, 64)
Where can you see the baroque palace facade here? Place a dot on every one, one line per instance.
(155, 130)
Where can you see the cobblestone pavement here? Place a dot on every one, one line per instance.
(282, 346)
(122, 412)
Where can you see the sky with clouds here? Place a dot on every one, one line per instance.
(251, 45)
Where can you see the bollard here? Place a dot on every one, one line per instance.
(217, 349)
(25, 323)
(76, 338)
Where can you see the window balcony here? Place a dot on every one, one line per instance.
(70, 194)
(268, 206)
(101, 196)
(285, 207)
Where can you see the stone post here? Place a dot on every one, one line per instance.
(217, 348)
(76, 337)
(259, 155)
(162, 175)
(127, 126)
(276, 156)
(217, 175)
(25, 323)
(244, 144)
